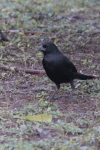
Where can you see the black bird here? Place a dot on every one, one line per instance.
(59, 68)
(3, 37)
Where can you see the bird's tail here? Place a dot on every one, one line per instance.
(83, 76)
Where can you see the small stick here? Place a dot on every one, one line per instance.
(30, 71)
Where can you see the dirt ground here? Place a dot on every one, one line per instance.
(76, 32)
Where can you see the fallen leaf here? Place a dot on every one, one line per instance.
(39, 118)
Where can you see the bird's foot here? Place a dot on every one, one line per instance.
(54, 98)
(68, 100)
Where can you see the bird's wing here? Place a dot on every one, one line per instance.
(59, 62)
(69, 64)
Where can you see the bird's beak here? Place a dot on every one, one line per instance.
(41, 48)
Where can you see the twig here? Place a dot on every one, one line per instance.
(26, 32)
(15, 69)
(33, 32)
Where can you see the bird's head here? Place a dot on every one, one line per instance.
(48, 48)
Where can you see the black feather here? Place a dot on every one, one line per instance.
(59, 68)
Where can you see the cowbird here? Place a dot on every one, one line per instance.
(59, 68)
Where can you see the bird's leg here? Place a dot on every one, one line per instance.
(73, 87)
(58, 86)
(71, 95)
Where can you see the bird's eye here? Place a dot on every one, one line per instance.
(45, 46)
